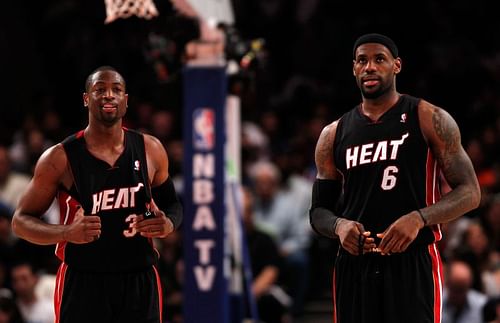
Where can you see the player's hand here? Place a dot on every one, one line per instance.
(398, 236)
(83, 229)
(158, 226)
(354, 238)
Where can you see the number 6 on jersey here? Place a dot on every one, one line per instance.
(389, 178)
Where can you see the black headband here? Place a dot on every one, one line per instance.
(379, 39)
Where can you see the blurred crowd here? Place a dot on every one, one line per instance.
(289, 62)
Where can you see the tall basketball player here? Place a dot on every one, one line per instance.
(377, 191)
(115, 194)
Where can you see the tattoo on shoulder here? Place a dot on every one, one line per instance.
(324, 151)
(446, 129)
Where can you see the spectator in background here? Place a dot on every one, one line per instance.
(12, 183)
(162, 125)
(475, 249)
(280, 213)
(28, 144)
(461, 303)
(272, 301)
(33, 308)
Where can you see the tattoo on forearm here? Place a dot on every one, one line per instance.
(456, 167)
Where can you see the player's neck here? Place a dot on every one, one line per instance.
(375, 108)
(98, 135)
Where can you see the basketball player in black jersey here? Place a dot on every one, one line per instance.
(378, 192)
(115, 195)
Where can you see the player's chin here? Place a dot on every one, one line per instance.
(371, 92)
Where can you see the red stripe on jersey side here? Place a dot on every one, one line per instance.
(67, 206)
(160, 293)
(58, 292)
(432, 189)
(334, 298)
(437, 275)
(80, 134)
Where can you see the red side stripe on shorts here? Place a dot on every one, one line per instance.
(58, 292)
(437, 274)
(160, 293)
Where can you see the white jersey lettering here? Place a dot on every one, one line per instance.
(364, 154)
(119, 198)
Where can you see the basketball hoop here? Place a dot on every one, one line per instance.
(125, 8)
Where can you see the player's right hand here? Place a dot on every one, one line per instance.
(354, 238)
(83, 229)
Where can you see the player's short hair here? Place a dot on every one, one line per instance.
(103, 68)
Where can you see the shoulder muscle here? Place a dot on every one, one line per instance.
(324, 152)
(157, 160)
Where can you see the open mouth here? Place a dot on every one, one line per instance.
(370, 82)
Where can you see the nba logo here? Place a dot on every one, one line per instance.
(204, 128)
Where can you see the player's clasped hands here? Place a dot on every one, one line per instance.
(396, 238)
(83, 229)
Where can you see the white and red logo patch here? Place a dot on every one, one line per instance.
(204, 129)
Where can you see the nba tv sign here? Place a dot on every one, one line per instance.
(204, 194)
(205, 291)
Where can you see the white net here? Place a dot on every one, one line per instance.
(125, 8)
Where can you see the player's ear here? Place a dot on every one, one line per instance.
(85, 99)
(398, 64)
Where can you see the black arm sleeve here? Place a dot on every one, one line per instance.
(325, 194)
(166, 199)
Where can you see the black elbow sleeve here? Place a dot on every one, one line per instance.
(166, 199)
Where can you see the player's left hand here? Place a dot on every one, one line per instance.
(158, 226)
(398, 236)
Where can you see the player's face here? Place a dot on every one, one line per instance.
(106, 97)
(374, 69)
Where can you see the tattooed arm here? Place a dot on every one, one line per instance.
(324, 153)
(326, 191)
(443, 137)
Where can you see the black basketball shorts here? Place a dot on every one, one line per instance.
(404, 287)
(85, 297)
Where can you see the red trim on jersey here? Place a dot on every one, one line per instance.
(432, 189)
(67, 208)
(59, 288)
(160, 293)
(437, 275)
(80, 133)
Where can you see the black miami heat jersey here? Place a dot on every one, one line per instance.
(116, 193)
(388, 169)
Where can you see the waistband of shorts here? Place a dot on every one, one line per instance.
(414, 247)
